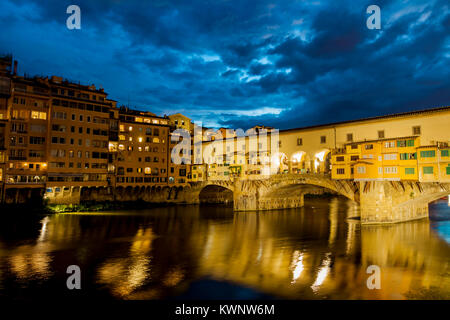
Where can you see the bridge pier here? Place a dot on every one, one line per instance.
(395, 201)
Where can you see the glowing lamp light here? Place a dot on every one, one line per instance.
(298, 157)
(316, 163)
(277, 162)
(320, 155)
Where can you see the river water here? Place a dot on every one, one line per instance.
(208, 252)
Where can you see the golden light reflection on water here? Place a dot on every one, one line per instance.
(123, 275)
(318, 251)
(28, 266)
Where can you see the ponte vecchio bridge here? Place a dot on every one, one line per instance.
(393, 166)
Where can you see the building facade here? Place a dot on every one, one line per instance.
(58, 138)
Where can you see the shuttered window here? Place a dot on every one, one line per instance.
(427, 170)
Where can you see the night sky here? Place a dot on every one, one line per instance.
(240, 63)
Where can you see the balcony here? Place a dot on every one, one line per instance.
(19, 179)
(17, 158)
(19, 145)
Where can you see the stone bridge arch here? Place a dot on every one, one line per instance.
(213, 193)
(191, 193)
(276, 192)
(347, 189)
(286, 191)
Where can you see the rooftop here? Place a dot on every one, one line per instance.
(395, 115)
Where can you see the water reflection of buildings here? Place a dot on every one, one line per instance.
(30, 261)
(411, 258)
(283, 252)
(124, 274)
(312, 252)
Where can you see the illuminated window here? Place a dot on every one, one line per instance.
(130, 128)
(140, 139)
(130, 139)
(121, 137)
(155, 140)
(38, 115)
(112, 146)
(121, 147)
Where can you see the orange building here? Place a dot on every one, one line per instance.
(78, 137)
(60, 138)
(142, 149)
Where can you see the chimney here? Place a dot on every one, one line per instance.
(15, 68)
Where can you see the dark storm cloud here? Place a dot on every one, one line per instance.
(240, 63)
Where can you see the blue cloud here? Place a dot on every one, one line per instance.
(240, 63)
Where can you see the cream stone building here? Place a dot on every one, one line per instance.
(309, 149)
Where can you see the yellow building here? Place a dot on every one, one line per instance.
(197, 173)
(401, 158)
(434, 163)
(180, 121)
